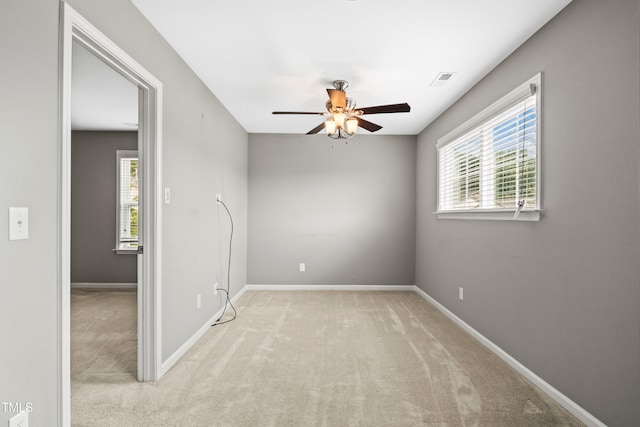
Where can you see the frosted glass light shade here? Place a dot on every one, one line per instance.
(339, 119)
(330, 125)
(352, 125)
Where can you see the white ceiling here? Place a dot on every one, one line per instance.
(101, 99)
(259, 56)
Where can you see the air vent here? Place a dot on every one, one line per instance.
(442, 79)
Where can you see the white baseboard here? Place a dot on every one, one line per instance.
(330, 287)
(547, 388)
(241, 292)
(171, 360)
(85, 285)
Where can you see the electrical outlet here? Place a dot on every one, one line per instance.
(218, 197)
(303, 267)
(20, 420)
(461, 293)
(215, 288)
(199, 301)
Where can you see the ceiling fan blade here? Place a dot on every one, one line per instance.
(338, 98)
(316, 129)
(371, 127)
(297, 112)
(391, 108)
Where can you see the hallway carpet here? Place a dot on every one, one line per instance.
(103, 335)
(324, 358)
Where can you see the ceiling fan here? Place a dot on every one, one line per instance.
(343, 118)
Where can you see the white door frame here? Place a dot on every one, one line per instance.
(75, 28)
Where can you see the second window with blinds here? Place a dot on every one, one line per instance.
(489, 167)
(127, 201)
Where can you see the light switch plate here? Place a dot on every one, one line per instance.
(18, 223)
(167, 195)
(20, 420)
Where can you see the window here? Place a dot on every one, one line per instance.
(489, 167)
(127, 199)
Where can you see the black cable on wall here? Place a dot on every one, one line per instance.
(228, 299)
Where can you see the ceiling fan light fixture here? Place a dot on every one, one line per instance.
(340, 134)
(340, 118)
(331, 127)
(341, 127)
(350, 104)
(351, 126)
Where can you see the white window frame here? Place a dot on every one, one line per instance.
(123, 247)
(527, 213)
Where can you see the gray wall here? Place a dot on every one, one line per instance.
(205, 152)
(561, 295)
(93, 208)
(28, 177)
(347, 212)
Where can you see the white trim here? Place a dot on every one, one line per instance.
(184, 348)
(239, 294)
(105, 286)
(64, 221)
(528, 215)
(126, 250)
(73, 27)
(544, 386)
(256, 287)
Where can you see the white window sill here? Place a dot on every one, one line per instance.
(125, 249)
(492, 215)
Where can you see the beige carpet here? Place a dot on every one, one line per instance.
(324, 359)
(103, 336)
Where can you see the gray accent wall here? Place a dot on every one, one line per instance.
(561, 295)
(93, 208)
(204, 153)
(347, 212)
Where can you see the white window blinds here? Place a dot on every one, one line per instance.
(492, 164)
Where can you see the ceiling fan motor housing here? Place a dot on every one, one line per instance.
(341, 85)
(349, 106)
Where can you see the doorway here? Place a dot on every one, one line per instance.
(76, 29)
(104, 223)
